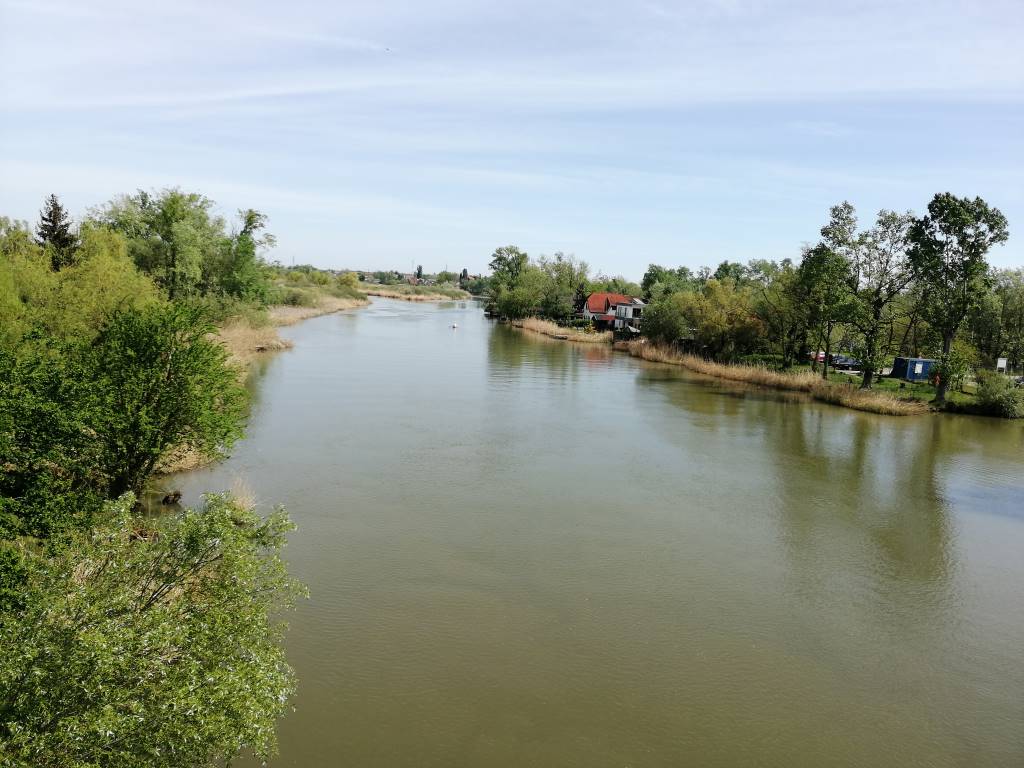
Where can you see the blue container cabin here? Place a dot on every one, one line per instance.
(912, 368)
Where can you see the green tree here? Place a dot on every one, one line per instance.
(661, 281)
(525, 297)
(565, 278)
(881, 272)
(167, 388)
(507, 263)
(730, 270)
(947, 254)
(444, 276)
(782, 306)
(617, 284)
(85, 421)
(54, 233)
(826, 279)
(149, 643)
(241, 271)
(172, 235)
(665, 319)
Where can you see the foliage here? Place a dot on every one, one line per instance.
(565, 280)
(85, 421)
(953, 368)
(827, 283)
(507, 265)
(947, 254)
(445, 276)
(348, 280)
(175, 237)
(165, 386)
(617, 284)
(149, 643)
(665, 319)
(996, 396)
(70, 304)
(659, 281)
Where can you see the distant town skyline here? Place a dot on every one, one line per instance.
(378, 134)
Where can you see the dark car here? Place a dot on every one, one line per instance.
(845, 362)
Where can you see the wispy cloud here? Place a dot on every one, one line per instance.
(465, 123)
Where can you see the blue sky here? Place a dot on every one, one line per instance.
(379, 134)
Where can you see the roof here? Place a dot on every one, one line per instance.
(606, 318)
(598, 302)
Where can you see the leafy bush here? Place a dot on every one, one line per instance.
(997, 396)
(293, 297)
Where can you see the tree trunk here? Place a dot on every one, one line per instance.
(940, 390)
(868, 363)
(828, 349)
(814, 360)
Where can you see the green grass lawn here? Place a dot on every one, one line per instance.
(910, 390)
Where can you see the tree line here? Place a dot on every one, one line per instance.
(127, 639)
(553, 287)
(908, 285)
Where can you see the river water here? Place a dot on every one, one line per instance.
(523, 552)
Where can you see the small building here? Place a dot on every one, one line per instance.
(912, 368)
(628, 315)
(612, 310)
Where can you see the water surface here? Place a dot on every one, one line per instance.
(523, 552)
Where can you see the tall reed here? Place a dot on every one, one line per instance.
(828, 392)
(556, 331)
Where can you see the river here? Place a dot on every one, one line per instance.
(524, 552)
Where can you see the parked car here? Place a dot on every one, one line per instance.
(845, 362)
(1019, 381)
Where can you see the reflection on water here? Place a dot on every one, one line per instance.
(523, 551)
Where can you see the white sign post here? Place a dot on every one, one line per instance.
(1001, 365)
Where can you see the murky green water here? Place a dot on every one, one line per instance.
(527, 553)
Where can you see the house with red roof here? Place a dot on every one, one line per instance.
(613, 310)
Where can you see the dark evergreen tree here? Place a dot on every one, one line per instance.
(54, 232)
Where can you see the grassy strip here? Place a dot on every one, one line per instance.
(838, 394)
(415, 292)
(556, 331)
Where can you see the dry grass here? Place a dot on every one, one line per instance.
(556, 331)
(387, 292)
(183, 461)
(838, 394)
(285, 314)
(244, 342)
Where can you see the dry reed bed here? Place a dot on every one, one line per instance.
(558, 332)
(384, 293)
(827, 392)
(284, 314)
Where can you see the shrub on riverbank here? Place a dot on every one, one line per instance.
(837, 394)
(996, 396)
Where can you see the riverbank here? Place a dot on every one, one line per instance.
(247, 339)
(848, 396)
(556, 331)
(415, 292)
